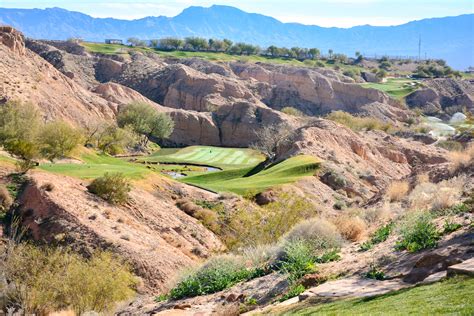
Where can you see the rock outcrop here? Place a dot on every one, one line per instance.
(441, 96)
(12, 39)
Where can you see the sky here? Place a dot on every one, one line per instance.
(329, 13)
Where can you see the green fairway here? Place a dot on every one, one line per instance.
(234, 180)
(224, 158)
(397, 88)
(95, 165)
(450, 297)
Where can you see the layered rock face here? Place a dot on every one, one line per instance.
(443, 95)
(12, 39)
(155, 237)
(357, 164)
(224, 103)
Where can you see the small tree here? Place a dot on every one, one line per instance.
(270, 138)
(19, 127)
(145, 120)
(113, 140)
(57, 139)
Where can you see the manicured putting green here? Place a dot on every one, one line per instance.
(235, 180)
(397, 88)
(224, 158)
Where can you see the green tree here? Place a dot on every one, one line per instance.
(196, 43)
(19, 127)
(145, 120)
(57, 139)
(171, 43)
(314, 53)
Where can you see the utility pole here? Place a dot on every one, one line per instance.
(419, 48)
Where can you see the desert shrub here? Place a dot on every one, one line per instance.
(298, 260)
(112, 187)
(351, 227)
(422, 178)
(375, 273)
(57, 139)
(273, 220)
(397, 190)
(375, 215)
(450, 145)
(353, 73)
(417, 232)
(380, 235)
(294, 291)
(44, 280)
(461, 159)
(359, 123)
(262, 256)
(208, 218)
(450, 226)
(328, 256)
(215, 275)
(48, 187)
(6, 199)
(292, 111)
(320, 234)
(439, 196)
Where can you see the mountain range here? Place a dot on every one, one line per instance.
(449, 38)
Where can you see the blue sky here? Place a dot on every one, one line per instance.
(341, 13)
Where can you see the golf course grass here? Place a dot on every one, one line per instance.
(223, 158)
(235, 180)
(397, 88)
(238, 166)
(450, 297)
(95, 165)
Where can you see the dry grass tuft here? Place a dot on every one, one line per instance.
(352, 228)
(461, 159)
(398, 190)
(437, 196)
(423, 178)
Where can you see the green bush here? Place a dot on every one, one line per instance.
(292, 111)
(292, 292)
(298, 260)
(112, 187)
(380, 235)
(375, 274)
(216, 275)
(45, 280)
(417, 233)
(450, 227)
(329, 256)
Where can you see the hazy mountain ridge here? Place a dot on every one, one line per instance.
(449, 38)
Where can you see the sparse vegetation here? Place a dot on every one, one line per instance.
(461, 159)
(273, 221)
(358, 123)
(295, 290)
(215, 275)
(45, 280)
(112, 187)
(298, 260)
(292, 111)
(418, 232)
(398, 190)
(375, 273)
(380, 235)
(6, 199)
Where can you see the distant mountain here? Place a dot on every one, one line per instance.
(450, 38)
